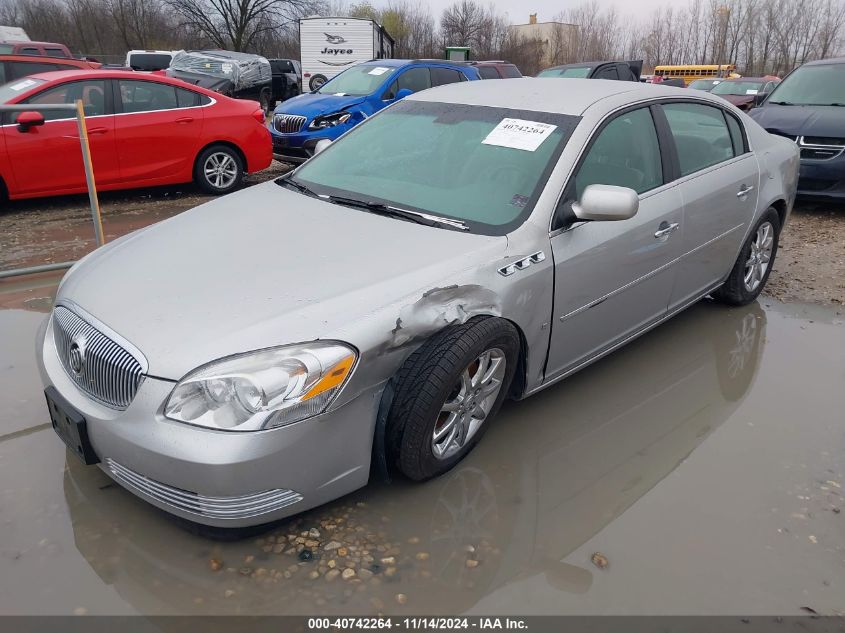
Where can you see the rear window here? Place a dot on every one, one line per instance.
(149, 61)
(282, 66)
(30, 51)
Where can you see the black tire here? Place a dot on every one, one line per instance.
(208, 185)
(734, 291)
(265, 98)
(428, 378)
(316, 82)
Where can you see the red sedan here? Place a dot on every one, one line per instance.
(143, 131)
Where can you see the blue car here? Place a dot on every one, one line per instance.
(352, 96)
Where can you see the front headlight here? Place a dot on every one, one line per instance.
(263, 389)
(329, 120)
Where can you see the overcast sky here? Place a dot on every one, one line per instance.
(518, 10)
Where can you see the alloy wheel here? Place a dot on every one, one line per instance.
(759, 257)
(220, 169)
(469, 403)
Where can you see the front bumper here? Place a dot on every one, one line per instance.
(299, 147)
(218, 478)
(822, 180)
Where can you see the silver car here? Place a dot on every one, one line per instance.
(266, 352)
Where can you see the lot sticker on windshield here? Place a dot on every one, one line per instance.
(379, 70)
(21, 85)
(751, 92)
(519, 134)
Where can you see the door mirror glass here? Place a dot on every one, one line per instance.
(322, 144)
(606, 202)
(29, 119)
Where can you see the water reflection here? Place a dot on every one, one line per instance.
(552, 472)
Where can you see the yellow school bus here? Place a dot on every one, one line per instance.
(691, 72)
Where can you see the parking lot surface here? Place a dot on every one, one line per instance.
(699, 470)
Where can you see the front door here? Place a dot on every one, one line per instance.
(48, 159)
(614, 278)
(719, 183)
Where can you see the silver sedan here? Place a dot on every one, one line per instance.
(268, 351)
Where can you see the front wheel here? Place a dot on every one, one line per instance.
(446, 394)
(754, 264)
(218, 170)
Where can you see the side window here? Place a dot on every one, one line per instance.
(443, 76)
(701, 135)
(3, 73)
(511, 71)
(390, 93)
(54, 52)
(608, 72)
(92, 93)
(146, 96)
(30, 51)
(488, 72)
(187, 98)
(22, 69)
(625, 153)
(737, 140)
(414, 79)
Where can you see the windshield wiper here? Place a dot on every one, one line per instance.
(781, 103)
(395, 212)
(287, 181)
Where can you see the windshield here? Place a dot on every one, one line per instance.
(358, 80)
(577, 73)
(738, 88)
(484, 166)
(812, 85)
(19, 86)
(704, 84)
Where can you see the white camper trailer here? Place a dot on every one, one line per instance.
(328, 46)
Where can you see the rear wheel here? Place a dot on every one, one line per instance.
(754, 264)
(446, 394)
(218, 170)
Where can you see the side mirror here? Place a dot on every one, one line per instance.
(29, 119)
(403, 93)
(606, 202)
(322, 144)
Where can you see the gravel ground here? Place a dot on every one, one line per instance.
(809, 268)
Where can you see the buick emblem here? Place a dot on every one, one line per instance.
(76, 356)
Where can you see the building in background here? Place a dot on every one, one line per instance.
(556, 41)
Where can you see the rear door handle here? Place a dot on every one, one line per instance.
(98, 130)
(185, 119)
(744, 191)
(665, 230)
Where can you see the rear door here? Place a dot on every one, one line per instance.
(49, 158)
(719, 180)
(158, 128)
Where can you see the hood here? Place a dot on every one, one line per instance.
(798, 120)
(262, 267)
(315, 104)
(738, 100)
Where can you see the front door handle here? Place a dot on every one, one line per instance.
(744, 191)
(665, 230)
(185, 119)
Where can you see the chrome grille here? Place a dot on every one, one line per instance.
(238, 507)
(288, 123)
(108, 373)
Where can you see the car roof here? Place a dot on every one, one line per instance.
(41, 59)
(31, 43)
(396, 63)
(825, 62)
(546, 94)
(736, 80)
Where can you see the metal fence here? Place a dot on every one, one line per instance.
(78, 110)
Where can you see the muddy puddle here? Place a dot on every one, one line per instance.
(697, 471)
